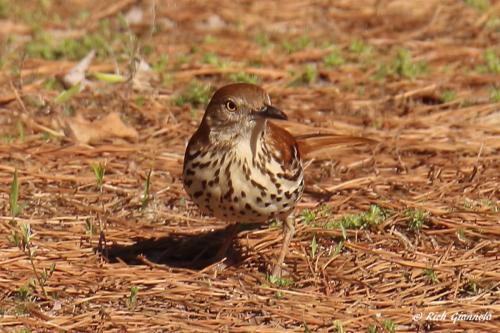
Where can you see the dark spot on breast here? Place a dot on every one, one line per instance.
(247, 206)
(188, 182)
(204, 165)
(259, 199)
(259, 186)
(189, 172)
(198, 194)
(204, 184)
(243, 194)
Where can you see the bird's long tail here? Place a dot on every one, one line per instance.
(314, 144)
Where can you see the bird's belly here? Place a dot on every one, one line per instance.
(235, 189)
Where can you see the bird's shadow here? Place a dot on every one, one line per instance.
(176, 250)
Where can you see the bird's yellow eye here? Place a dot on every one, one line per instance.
(231, 106)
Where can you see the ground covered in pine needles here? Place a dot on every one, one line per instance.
(98, 234)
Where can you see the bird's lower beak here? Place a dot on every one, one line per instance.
(271, 112)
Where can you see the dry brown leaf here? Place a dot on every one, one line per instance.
(85, 131)
(143, 76)
(77, 74)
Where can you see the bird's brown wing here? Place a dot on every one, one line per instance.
(282, 143)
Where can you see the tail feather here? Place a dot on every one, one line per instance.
(316, 143)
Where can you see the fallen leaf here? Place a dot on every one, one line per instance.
(143, 76)
(77, 74)
(87, 132)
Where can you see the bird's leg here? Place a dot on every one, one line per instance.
(288, 231)
(232, 231)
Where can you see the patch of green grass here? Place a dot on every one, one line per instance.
(479, 5)
(471, 287)
(52, 83)
(402, 66)
(495, 95)
(45, 46)
(244, 77)
(196, 93)
(22, 239)
(182, 59)
(211, 58)
(297, 44)
(308, 216)
(308, 75)
(279, 281)
(90, 228)
(7, 139)
(461, 235)
(338, 248)
(4, 9)
(334, 59)
(374, 216)
(209, 39)
(160, 65)
(47, 273)
(262, 39)
(389, 325)
(448, 96)
(372, 329)
(491, 62)
(431, 275)
(99, 170)
(474, 205)
(416, 218)
(148, 49)
(139, 101)
(360, 47)
(493, 23)
(405, 67)
(25, 292)
(132, 298)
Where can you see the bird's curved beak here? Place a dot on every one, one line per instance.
(270, 111)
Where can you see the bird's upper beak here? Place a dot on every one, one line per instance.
(271, 112)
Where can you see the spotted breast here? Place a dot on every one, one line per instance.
(252, 179)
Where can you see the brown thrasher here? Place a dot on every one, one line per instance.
(241, 168)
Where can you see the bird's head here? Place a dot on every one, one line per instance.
(237, 109)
